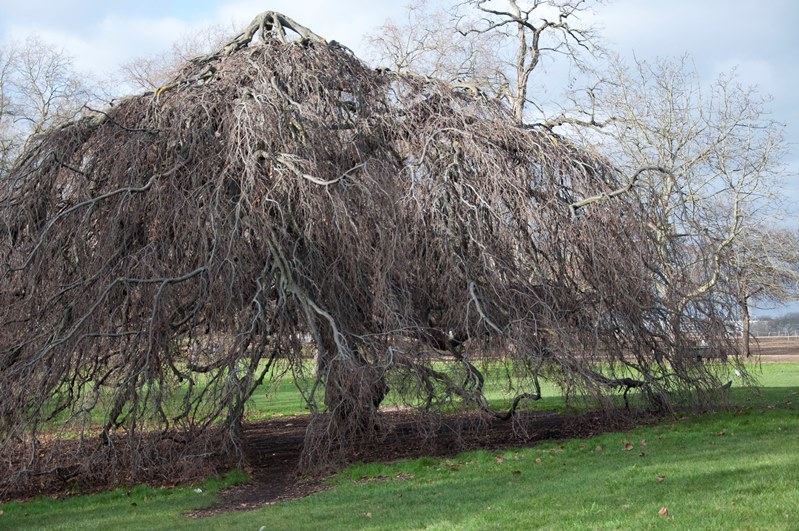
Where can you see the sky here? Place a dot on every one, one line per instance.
(758, 38)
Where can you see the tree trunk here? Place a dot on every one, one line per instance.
(354, 388)
(744, 303)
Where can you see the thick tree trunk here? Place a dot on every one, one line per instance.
(354, 389)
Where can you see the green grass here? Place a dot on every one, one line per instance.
(738, 469)
(283, 399)
(139, 507)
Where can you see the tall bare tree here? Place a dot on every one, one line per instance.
(427, 43)
(148, 73)
(534, 30)
(495, 46)
(719, 157)
(39, 87)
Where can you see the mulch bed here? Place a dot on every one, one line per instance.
(273, 448)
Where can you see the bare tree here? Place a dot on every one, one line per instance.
(490, 45)
(162, 259)
(762, 265)
(39, 88)
(536, 29)
(427, 43)
(148, 73)
(718, 156)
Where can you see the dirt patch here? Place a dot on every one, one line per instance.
(776, 348)
(273, 447)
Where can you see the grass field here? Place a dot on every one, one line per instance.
(737, 469)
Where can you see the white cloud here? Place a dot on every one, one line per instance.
(111, 42)
(103, 35)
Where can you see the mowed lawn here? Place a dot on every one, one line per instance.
(732, 470)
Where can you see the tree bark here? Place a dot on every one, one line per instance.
(745, 324)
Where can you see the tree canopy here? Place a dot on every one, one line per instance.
(280, 200)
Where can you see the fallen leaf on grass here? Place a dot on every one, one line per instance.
(598, 448)
(719, 433)
(660, 437)
(370, 479)
(537, 459)
(663, 512)
(642, 442)
(661, 479)
(499, 459)
(642, 454)
(2, 512)
(368, 515)
(628, 447)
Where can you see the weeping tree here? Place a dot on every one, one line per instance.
(280, 201)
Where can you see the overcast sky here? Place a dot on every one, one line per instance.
(759, 38)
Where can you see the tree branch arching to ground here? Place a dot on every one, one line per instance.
(163, 258)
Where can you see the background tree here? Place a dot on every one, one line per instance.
(426, 43)
(148, 73)
(39, 88)
(719, 157)
(494, 46)
(763, 266)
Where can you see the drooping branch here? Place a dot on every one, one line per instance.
(575, 206)
(294, 202)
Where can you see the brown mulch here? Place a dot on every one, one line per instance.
(273, 448)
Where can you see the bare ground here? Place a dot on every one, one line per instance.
(776, 348)
(273, 448)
